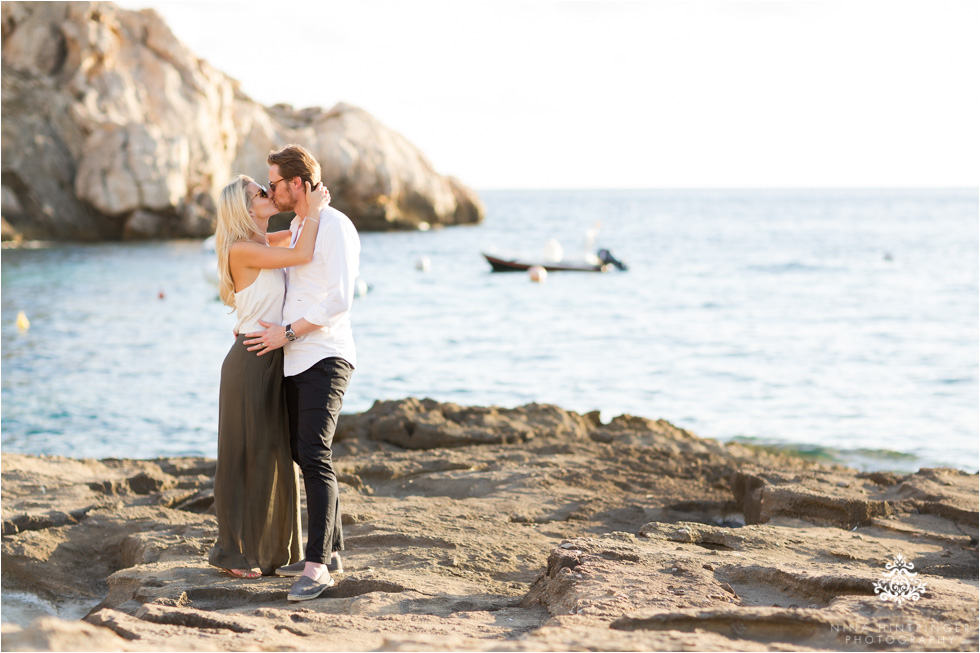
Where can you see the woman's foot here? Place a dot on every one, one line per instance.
(243, 573)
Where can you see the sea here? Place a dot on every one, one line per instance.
(836, 324)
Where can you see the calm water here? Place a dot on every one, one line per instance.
(841, 319)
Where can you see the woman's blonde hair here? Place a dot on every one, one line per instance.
(234, 224)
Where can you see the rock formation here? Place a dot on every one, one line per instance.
(113, 129)
(525, 529)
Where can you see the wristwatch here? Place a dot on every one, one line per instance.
(290, 336)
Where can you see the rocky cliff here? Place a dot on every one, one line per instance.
(113, 129)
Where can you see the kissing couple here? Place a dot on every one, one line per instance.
(284, 379)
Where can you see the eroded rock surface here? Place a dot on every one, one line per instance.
(113, 129)
(531, 528)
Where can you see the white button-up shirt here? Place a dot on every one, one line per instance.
(322, 292)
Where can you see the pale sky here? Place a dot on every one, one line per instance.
(668, 94)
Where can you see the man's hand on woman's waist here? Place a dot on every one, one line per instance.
(274, 337)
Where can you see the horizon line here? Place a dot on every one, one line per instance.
(724, 188)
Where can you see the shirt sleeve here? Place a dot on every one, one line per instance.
(340, 253)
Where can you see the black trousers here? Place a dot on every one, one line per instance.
(314, 399)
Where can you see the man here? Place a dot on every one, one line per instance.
(319, 359)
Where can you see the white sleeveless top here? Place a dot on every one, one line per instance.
(260, 301)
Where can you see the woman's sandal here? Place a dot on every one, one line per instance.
(243, 573)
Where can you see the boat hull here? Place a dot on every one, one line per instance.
(516, 265)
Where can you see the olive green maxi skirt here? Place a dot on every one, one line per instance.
(256, 494)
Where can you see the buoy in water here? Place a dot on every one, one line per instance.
(360, 287)
(22, 322)
(537, 273)
(423, 264)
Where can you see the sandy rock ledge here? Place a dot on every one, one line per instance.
(523, 529)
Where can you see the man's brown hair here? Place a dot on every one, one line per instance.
(295, 161)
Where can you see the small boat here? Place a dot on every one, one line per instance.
(505, 263)
(601, 262)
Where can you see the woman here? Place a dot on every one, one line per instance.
(256, 496)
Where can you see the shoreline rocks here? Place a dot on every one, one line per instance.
(484, 528)
(113, 129)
